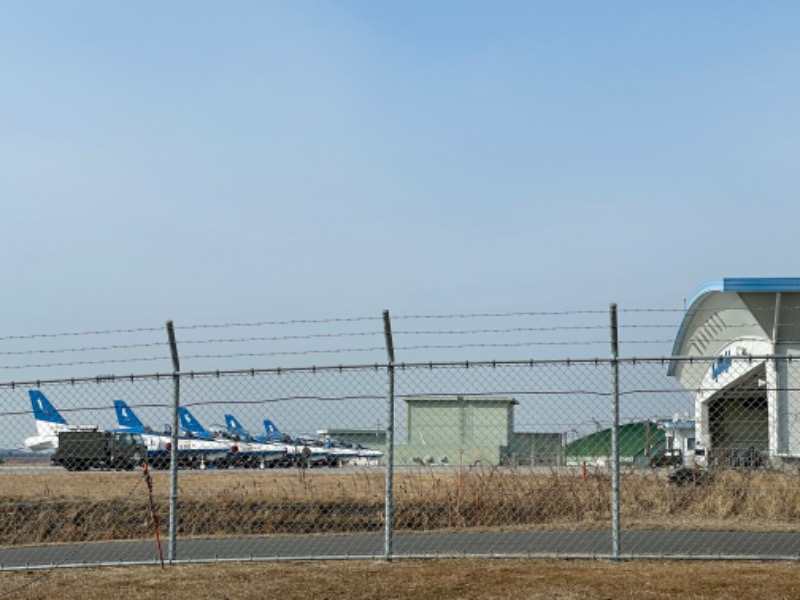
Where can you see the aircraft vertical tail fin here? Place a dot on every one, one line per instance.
(127, 418)
(48, 419)
(273, 432)
(48, 423)
(191, 425)
(235, 427)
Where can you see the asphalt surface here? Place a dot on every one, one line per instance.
(705, 544)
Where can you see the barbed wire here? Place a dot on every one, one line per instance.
(474, 315)
(416, 347)
(494, 331)
(79, 333)
(400, 317)
(500, 315)
(285, 338)
(86, 362)
(278, 323)
(312, 337)
(399, 334)
(543, 336)
(83, 349)
(333, 351)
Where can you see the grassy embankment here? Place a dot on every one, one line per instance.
(59, 507)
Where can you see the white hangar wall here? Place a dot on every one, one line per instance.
(747, 390)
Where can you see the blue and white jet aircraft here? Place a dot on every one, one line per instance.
(193, 451)
(298, 452)
(245, 453)
(339, 452)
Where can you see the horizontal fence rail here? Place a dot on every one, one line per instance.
(511, 458)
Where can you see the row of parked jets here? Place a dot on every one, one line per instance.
(228, 446)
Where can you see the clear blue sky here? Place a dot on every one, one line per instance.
(229, 161)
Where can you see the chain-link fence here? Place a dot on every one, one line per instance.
(604, 458)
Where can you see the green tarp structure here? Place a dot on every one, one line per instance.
(634, 439)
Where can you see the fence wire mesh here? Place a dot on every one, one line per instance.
(494, 458)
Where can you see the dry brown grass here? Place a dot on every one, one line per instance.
(56, 506)
(61, 506)
(434, 580)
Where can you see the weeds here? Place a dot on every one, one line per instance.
(61, 507)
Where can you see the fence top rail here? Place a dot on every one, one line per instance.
(185, 374)
(663, 360)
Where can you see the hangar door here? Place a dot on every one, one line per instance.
(738, 422)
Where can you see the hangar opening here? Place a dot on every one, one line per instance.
(738, 422)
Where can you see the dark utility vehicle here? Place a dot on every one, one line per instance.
(91, 449)
(667, 458)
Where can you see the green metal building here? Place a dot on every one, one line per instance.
(471, 429)
(456, 429)
(635, 440)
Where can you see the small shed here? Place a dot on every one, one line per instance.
(537, 449)
(679, 434)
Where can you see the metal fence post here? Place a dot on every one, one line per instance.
(615, 516)
(388, 510)
(173, 469)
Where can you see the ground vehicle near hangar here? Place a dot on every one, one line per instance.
(667, 458)
(83, 450)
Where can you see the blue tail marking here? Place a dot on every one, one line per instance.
(235, 427)
(43, 410)
(127, 418)
(191, 425)
(273, 433)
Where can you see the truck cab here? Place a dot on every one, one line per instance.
(92, 449)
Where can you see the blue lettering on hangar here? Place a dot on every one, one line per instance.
(722, 364)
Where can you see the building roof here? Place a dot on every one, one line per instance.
(731, 285)
(463, 398)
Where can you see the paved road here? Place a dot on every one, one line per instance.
(547, 543)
